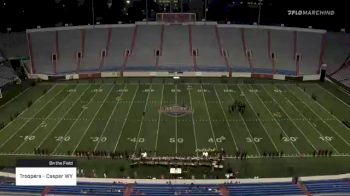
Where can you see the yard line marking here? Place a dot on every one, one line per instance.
(176, 120)
(273, 117)
(330, 113)
(246, 126)
(24, 124)
(154, 82)
(193, 123)
(36, 101)
(159, 115)
(330, 93)
(15, 97)
(91, 121)
(236, 120)
(142, 118)
(228, 124)
(70, 128)
(58, 122)
(341, 123)
(109, 119)
(267, 133)
(291, 103)
(126, 118)
(347, 143)
(211, 126)
(280, 106)
(45, 119)
(227, 157)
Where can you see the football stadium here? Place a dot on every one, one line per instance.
(177, 105)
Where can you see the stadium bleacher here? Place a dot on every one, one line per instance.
(329, 186)
(120, 40)
(14, 44)
(147, 41)
(257, 43)
(42, 49)
(232, 41)
(309, 46)
(175, 44)
(246, 49)
(336, 51)
(205, 42)
(220, 48)
(69, 44)
(282, 47)
(94, 41)
(7, 74)
(312, 187)
(342, 74)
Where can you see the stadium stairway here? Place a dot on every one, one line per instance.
(46, 190)
(304, 189)
(128, 190)
(224, 190)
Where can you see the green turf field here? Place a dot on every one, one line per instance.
(117, 117)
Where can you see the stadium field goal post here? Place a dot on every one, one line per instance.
(176, 18)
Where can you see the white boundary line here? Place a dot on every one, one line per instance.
(35, 102)
(280, 106)
(332, 114)
(70, 128)
(24, 124)
(159, 116)
(228, 124)
(291, 156)
(176, 121)
(228, 157)
(109, 119)
(319, 133)
(331, 128)
(211, 126)
(267, 133)
(330, 93)
(126, 118)
(245, 125)
(51, 113)
(166, 83)
(93, 119)
(278, 124)
(142, 118)
(182, 120)
(15, 97)
(58, 122)
(193, 123)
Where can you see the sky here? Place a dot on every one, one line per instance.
(24, 14)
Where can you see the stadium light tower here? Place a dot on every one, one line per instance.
(181, 8)
(93, 12)
(260, 2)
(205, 9)
(146, 10)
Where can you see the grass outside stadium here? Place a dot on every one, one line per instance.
(288, 128)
